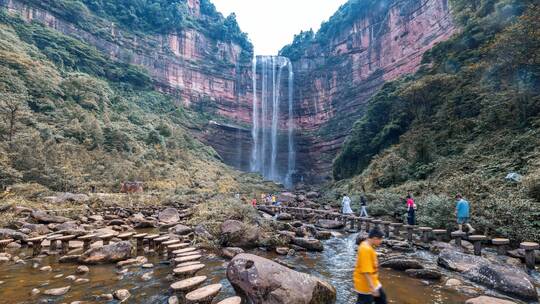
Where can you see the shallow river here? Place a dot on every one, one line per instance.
(335, 265)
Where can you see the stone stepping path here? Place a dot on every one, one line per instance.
(204, 294)
(188, 258)
(188, 270)
(188, 285)
(189, 249)
(183, 254)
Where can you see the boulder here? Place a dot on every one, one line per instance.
(12, 234)
(57, 291)
(237, 234)
(312, 195)
(67, 226)
(231, 252)
(284, 217)
(329, 224)
(401, 263)
(169, 215)
(201, 231)
(309, 244)
(488, 300)
(286, 197)
(263, 281)
(323, 235)
(107, 254)
(45, 218)
(37, 229)
(499, 276)
(121, 294)
(426, 274)
(180, 229)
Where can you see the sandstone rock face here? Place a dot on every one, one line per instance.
(237, 234)
(107, 254)
(502, 277)
(265, 282)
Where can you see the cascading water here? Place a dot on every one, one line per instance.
(268, 125)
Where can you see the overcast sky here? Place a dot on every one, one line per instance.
(272, 24)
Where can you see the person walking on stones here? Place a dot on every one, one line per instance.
(462, 213)
(346, 205)
(411, 210)
(363, 206)
(366, 273)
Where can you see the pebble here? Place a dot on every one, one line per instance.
(46, 268)
(82, 269)
(105, 297)
(149, 265)
(35, 292)
(58, 276)
(57, 291)
(173, 300)
(82, 280)
(453, 283)
(71, 277)
(121, 294)
(147, 276)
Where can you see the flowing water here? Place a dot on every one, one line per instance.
(335, 265)
(269, 125)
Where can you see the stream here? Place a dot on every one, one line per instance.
(335, 264)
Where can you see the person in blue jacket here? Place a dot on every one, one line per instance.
(463, 213)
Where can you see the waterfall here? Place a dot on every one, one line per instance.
(268, 125)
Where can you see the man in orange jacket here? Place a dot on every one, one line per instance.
(366, 273)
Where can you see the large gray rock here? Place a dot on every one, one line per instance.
(12, 234)
(169, 216)
(107, 254)
(44, 218)
(309, 244)
(237, 234)
(263, 281)
(329, 224)
(401, 263)
(501, 277)
(180, 229)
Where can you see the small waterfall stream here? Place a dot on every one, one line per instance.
(269, 126)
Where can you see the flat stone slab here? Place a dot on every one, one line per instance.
(140, 235)
(425, 229)
(188, 258)
(231, 300)
(188, 253)
(188, 264)
(458, 233)
(204, 294)
(174, 247)
(184, 250)
(528, 246)
(170, 242)
(188, 270)
(499, 241)
(188, 284)
(87, 237)
(476, 238)
(439, 231)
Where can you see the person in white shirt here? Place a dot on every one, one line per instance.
(346, 205)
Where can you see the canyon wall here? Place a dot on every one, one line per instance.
(336, 77)
(197, 70)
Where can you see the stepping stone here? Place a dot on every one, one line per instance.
(36, 244)
(501, 245)
(189, 249)
(188, 258)
(87, 239)
(188, 285)
(65, 242)
(126, 236)
(188, 253)
(188, 270)
(106, 238)
(204, 294)
(231, 300)
(187, 264)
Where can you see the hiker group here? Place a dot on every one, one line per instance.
(366, 272)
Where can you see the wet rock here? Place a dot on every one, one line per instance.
(401, 263)
(237, 234)
(488, 300)
(82, 269)
(140, 260)
(173, 300)
(329, 224)
(180, 229)
(44, 218)
(309, 244)
(453, 283)
(266, 282)
(46, 268)
(121, 294)
(323, 235)
(231, 252)
(107, 254)
(500, 276)
(69, 258)
(147, 266)
(105, 297)
(282, 250)
(426, 274)
(169, 216)
(82, 281)
(284, 216)
(12, 234)
(57, 291)
(35, 292)
(71, 278)
(147, 276)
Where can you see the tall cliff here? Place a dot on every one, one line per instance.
(338, 69)
(203, 60)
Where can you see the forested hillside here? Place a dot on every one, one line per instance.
(71, 118)
(469, 117)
